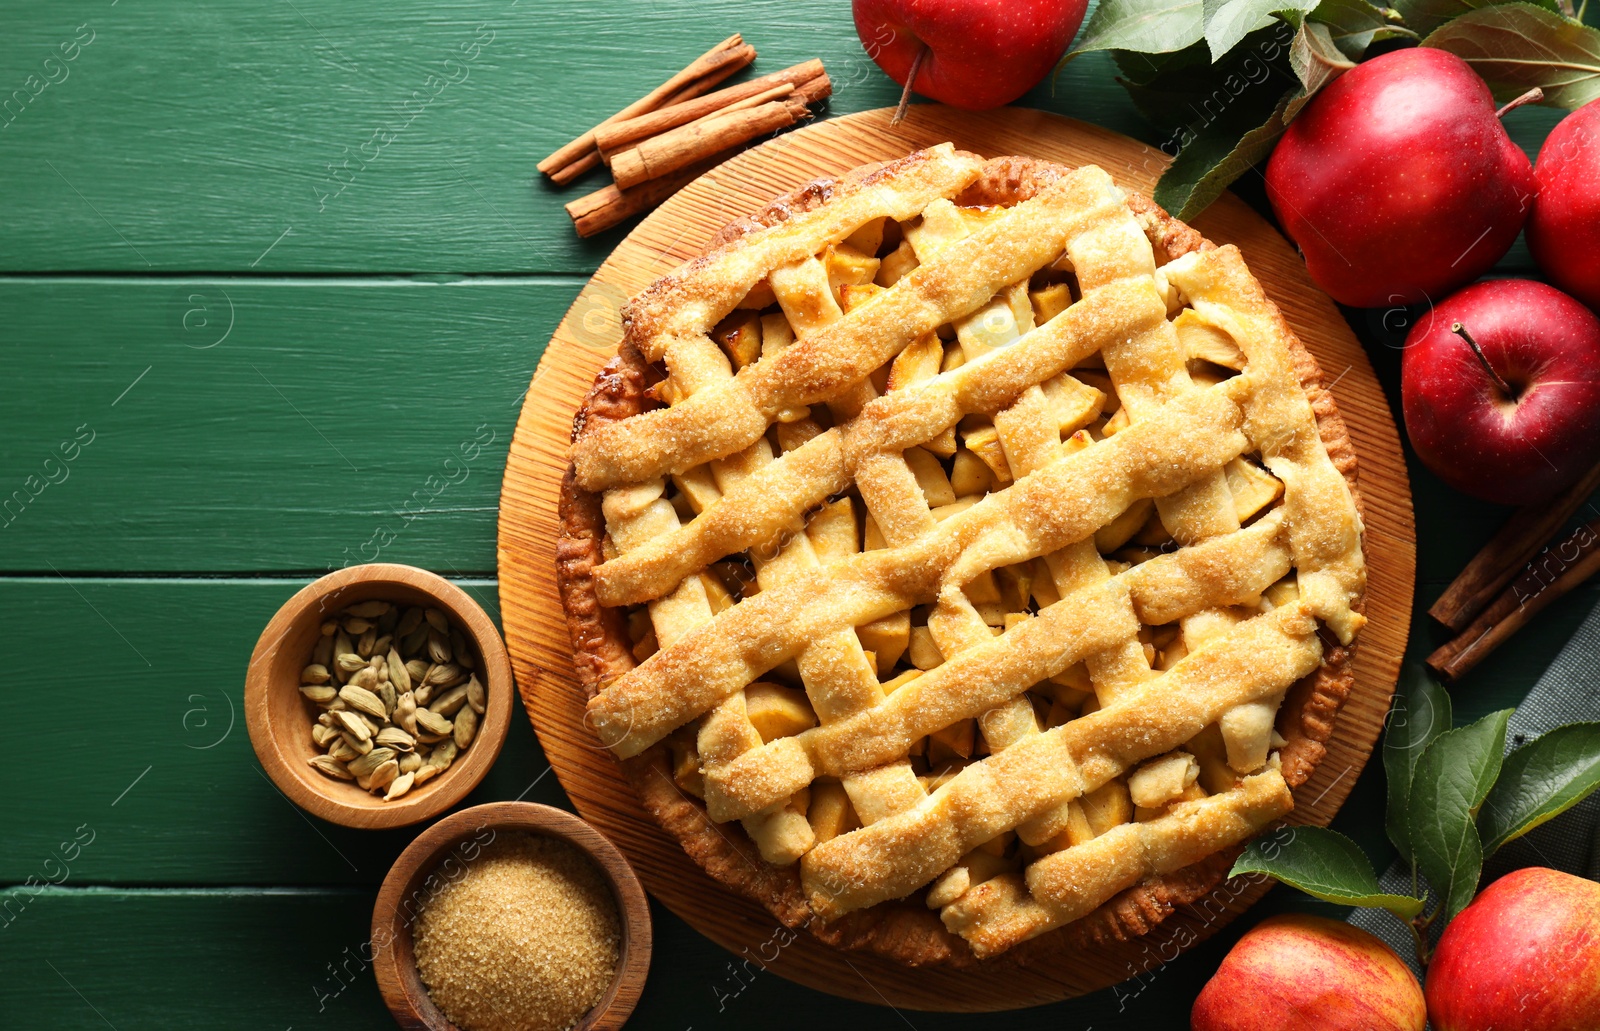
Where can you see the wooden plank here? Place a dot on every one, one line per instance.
(284, 137)
(141, 738)
(259, 425)
(131, 959)
(281, 137)
(536, 626)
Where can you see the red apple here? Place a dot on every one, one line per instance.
(1398, 182)
(1524, 956)
(1518, 418)
(979, 53)
(1564, 225)
(1299, 972)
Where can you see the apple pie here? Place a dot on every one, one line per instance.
(963, 558)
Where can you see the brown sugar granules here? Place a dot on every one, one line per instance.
(525, 939)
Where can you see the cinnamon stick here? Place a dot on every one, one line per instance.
(775, 93)
(562, 176)
(687, 144)
(742, 57)
(699, 76)
(610, 206)
(815, 89)
(738, 58)
(566, 173)
(1507, 552)
(1558, 570)
(619, 135)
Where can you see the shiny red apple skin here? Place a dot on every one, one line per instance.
(1564, 225)
(1298, 972)
(1539, 340)
(981, 53)
(1524, 956)
(1398, 182)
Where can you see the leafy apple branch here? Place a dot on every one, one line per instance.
(1227, 77)
(1454, 797)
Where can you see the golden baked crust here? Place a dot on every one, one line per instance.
(996, 915)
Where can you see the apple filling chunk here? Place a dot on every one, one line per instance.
(1161, 780)
(1247, 733)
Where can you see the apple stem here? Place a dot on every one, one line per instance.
(1461, 331)
(905, 94)
(1533, 96)
(1418, 926)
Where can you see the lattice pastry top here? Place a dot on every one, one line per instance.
(959, 530)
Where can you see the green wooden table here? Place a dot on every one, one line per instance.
(262, 268)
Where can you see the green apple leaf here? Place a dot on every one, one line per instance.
(1450, 782)
(1518, 46)
(1228, 22)
(1325, 864)
(1146, 26)
(1216, 155)
(1185, 70)
(1223, 117)
(1539, 781)
(1184, 88)
(1424, 16)
(1238, 117)
(1420, 713)
(1354, 25)
(1316, 61)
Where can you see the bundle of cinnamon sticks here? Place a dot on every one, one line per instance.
(1519, 572)
(664, 140)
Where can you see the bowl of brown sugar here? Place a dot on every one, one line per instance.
(511, 916)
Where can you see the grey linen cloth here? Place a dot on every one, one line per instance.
(1568, 692)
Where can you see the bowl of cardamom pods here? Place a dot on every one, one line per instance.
(378, 696)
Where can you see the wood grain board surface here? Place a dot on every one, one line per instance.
(536, 629)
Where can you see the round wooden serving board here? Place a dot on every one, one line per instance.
(536, 628)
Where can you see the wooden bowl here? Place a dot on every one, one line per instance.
(280, 719)
(457, 839)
